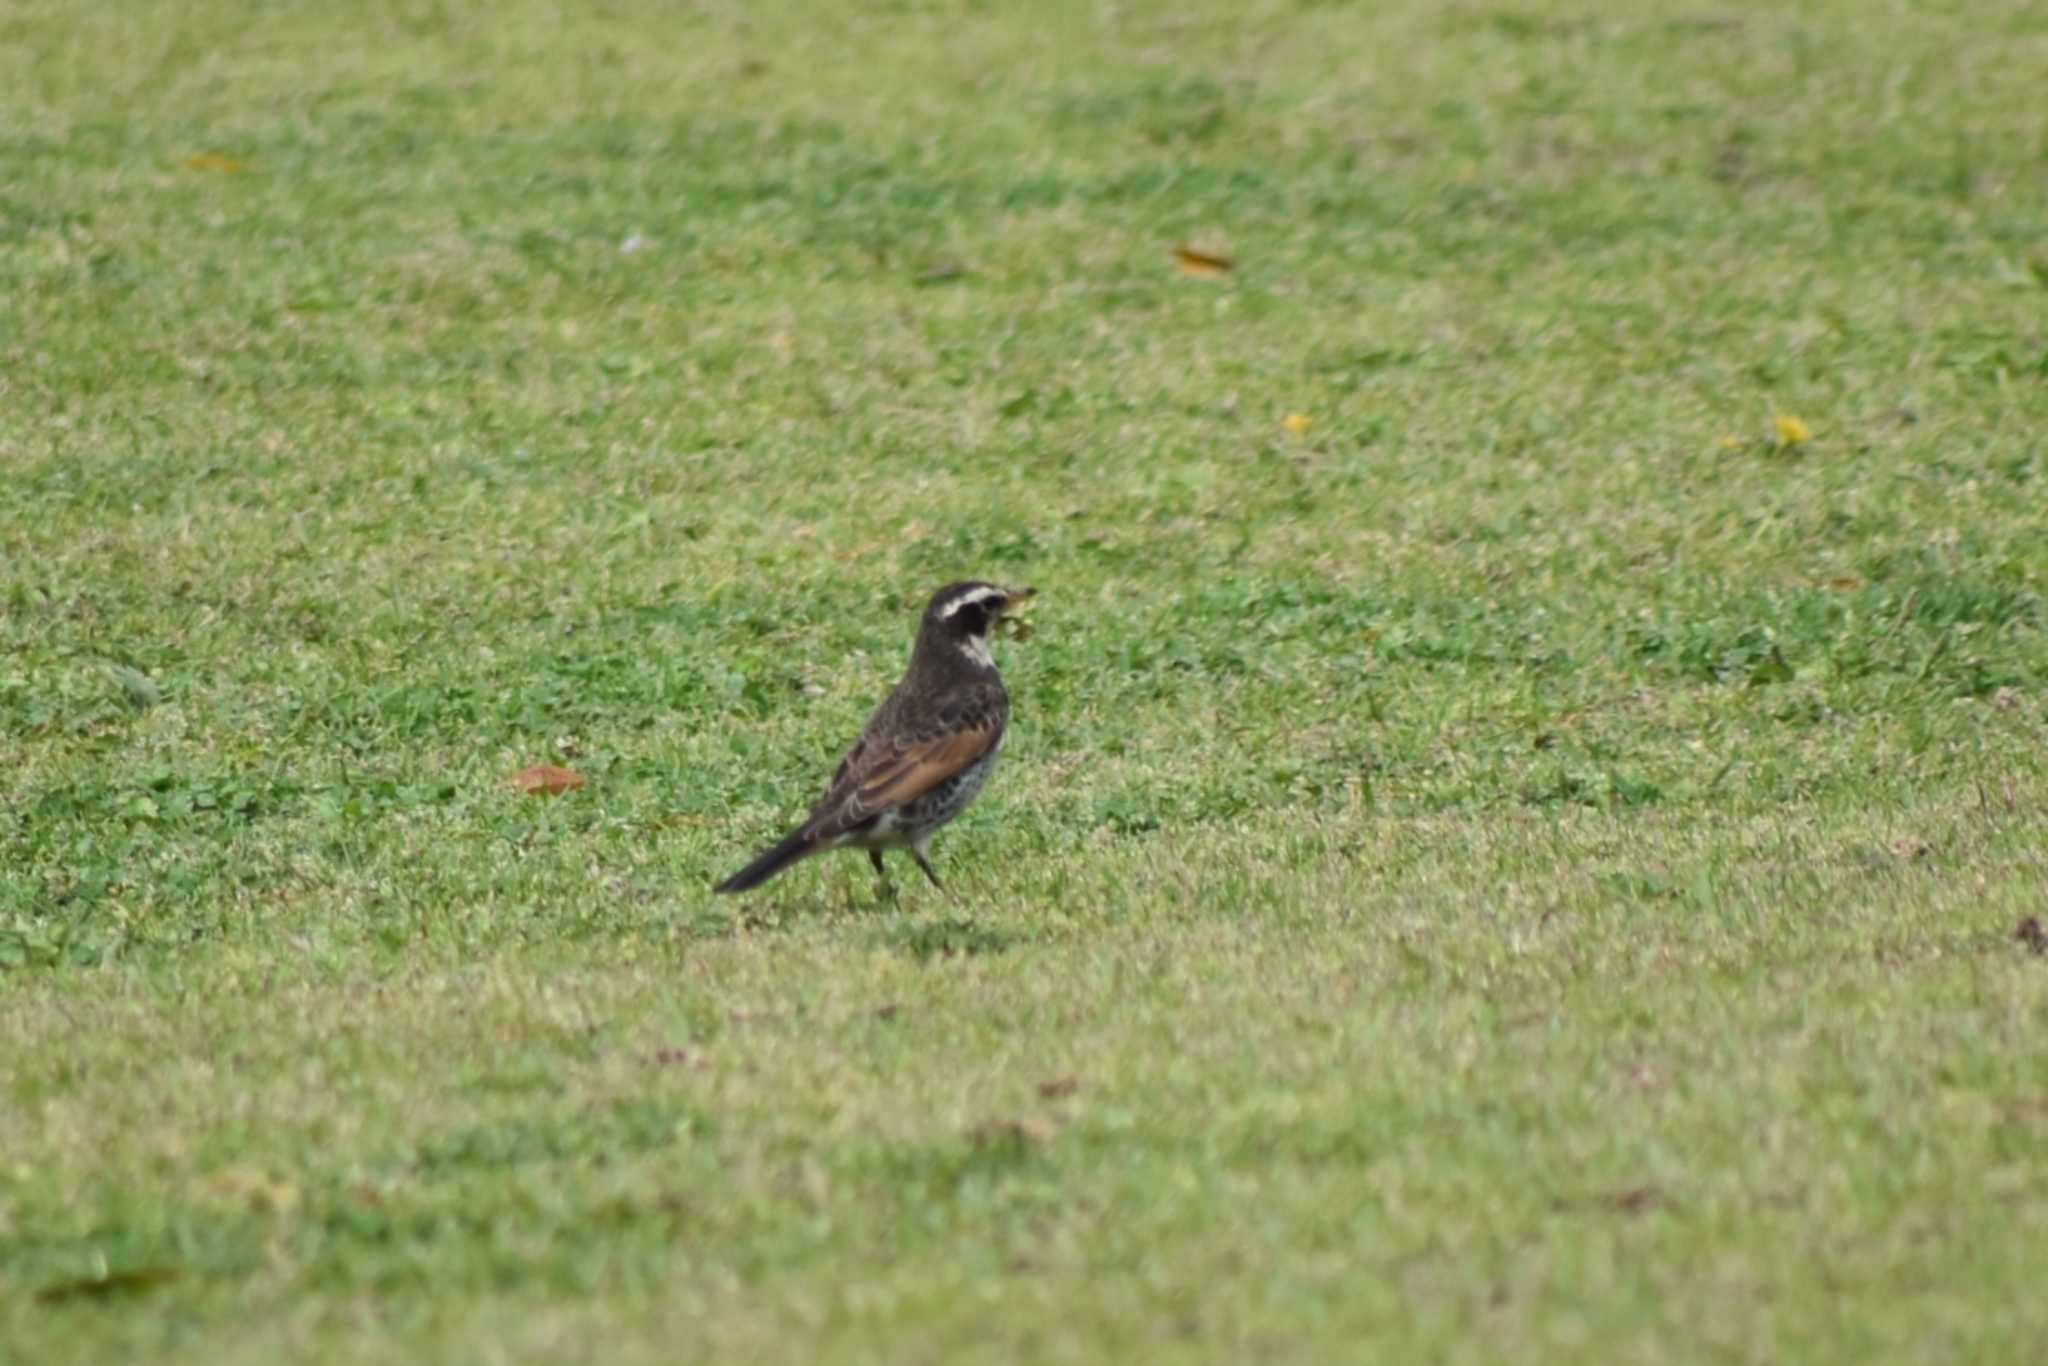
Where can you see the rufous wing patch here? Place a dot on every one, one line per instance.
(911, 772)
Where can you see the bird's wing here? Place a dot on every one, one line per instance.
(874, 777)
(852, 761)
(908, 773)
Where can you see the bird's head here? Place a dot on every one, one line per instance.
(963, 615)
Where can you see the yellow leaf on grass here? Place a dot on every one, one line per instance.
(215, 161)
(1790, 430)
(1297, 422)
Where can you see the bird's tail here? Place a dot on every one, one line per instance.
(769, 863)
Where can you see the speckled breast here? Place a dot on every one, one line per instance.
(949, 798)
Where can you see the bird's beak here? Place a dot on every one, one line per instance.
(1013, 596)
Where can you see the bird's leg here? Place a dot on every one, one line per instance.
(888, 887)
(926, 865)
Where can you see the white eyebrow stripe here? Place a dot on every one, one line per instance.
(982, 594)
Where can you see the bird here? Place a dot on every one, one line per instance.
(926, 751)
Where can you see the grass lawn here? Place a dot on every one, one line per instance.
(1521, 792)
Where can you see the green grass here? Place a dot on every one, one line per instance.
(1524, 868)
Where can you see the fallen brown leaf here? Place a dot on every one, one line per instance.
(1192, 262)
(1634, 1200)
(1628, 1200)
(547, 780)
(2032, 935)
(1015, 1135)
(1058, 1088)
(260, 1191)
(997, 1131)
(109, 1284)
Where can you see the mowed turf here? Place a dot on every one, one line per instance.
(1521, 792)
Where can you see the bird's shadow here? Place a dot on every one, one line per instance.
(771, 914)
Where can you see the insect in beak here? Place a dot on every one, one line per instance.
(1014, 627)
